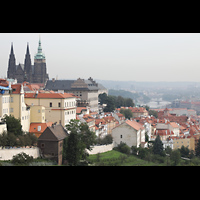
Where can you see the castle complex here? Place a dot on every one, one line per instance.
(36, 73)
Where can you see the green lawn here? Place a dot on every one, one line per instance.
(115, 158)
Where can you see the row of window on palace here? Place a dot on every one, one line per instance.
(9, 99)
(67, 104)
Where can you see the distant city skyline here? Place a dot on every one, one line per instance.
(110, 56)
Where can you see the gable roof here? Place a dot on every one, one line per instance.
(34, 127)
(55, 133)
(134, 125)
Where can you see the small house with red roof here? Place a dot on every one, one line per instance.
(130, 132)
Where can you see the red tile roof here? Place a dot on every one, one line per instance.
(49, 95)
(79, 109)
(16, 88)
(134, 125)
(137, 109)
(34, 128)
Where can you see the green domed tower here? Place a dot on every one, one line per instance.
(40, 74)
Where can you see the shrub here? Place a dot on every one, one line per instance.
(22, 159)
(123, 148)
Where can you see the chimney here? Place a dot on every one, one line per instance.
(36, 94)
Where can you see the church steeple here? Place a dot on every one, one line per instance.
(39, 55)
(27, 50)
(27, 65)
(11, 64)
(12, 52)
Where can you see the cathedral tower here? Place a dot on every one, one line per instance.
(28, 66)
(11, 64)
(40, 75)
(26, 72)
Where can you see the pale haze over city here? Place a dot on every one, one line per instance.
(110, 56)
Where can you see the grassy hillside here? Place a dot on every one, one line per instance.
(115, 158)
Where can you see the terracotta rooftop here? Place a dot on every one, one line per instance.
(134, 125)
(49, 95)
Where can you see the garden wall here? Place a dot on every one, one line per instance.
(101, 149)
(7, 154)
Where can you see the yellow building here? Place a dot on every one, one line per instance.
(59, 107)
(37, 114)
(12, 103)
(186, 142)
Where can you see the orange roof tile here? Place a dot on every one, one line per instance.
(79, 109)
(16, 88)
(34, 127)
(135, 125)
(49, 95)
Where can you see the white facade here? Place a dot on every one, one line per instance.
(127, 134)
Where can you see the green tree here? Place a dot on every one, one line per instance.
(197, 149)
(175, 156)
(154, 113)
(79, 139)
(158, 146)
(184, 151)
(129, 102)
(13, 125)
(110, 101)
(103, 98)
(120, 102)
(3, 139)
(11, 139)
(73, 152)
(127, 113)
(134, 150)
(147, 107)
(87, 137)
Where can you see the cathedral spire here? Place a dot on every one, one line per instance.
(12, 51)
(11, 64)
(39, 54)
(27, 50)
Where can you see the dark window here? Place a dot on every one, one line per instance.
(59, 104)
(42, 145)
(50, 104)
(120, 136)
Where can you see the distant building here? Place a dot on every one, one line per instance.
(36, 73)
(86, 90)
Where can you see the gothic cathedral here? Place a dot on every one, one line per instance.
(36, 73)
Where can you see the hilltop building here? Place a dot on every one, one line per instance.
(36, 73)
(86, 90)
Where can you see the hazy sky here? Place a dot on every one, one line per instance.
(110, 56)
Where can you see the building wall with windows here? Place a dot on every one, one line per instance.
(57, 109)
(37, 114)
(13, 104)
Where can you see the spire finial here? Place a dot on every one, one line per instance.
(12, 52)
(27, 50)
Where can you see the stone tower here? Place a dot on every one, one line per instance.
(28, 66)
(11, 64)
(36, 73)
(40, 75)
